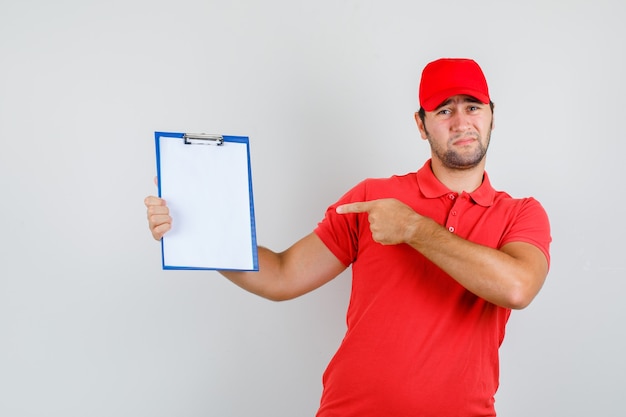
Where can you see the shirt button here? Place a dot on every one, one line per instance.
(453, 212)
(451, 196)
(451, 229)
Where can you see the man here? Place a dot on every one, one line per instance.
(439, 258)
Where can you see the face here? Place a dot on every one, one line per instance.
(458, 131)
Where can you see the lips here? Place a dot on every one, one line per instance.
(464, 141)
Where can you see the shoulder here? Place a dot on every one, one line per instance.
(387, 184)
(504, 201)
(524, 212)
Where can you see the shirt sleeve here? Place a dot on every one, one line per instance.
(531, 225)
(340, 232)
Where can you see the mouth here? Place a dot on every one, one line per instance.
(465, 141)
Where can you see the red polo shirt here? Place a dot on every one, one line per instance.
(417, 342)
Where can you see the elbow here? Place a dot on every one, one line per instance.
(278, 295)
(518, 303)
(520, 297)
(521, 283)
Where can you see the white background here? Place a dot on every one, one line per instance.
(326, 90)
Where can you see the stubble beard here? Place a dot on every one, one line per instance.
(456, 160)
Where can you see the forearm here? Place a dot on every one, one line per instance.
(509, 277)
(268, 282)
(305, 266)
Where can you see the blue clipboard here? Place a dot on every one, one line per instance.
(206, 181)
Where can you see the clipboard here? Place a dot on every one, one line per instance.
(206, 181)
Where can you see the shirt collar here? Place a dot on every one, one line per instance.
(431, 187)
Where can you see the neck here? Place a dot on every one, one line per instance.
(459, 180)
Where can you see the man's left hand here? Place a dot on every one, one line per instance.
(391, 221)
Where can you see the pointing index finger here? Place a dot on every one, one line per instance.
(358, 207)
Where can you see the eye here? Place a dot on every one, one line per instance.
(444, 112)
(473, 108)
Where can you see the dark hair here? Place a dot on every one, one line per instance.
(422, 112)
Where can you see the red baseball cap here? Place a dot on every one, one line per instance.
(447, 77)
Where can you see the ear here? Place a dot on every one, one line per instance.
(420, 126)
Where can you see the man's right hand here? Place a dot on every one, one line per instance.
(159, 220)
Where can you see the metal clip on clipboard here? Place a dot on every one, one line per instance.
(203, 139)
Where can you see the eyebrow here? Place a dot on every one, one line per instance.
(466, 99)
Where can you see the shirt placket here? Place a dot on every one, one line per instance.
(459, 202)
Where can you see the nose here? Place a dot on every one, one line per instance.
(460, 121)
